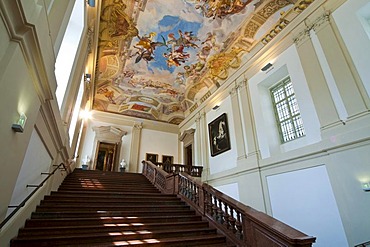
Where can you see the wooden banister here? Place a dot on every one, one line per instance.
(243, 225)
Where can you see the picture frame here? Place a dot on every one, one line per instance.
(151, 157)
(167, 159)
(219, 137)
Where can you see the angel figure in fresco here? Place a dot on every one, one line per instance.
(146, 46)
(176, 56)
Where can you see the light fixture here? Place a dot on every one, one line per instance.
(366, 186)
(88, 77)
(215, 107)
(91, 3)
(19, 125)
(266, 67)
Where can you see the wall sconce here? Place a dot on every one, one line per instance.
(91, 3)
(266, 67)
(366, 186)
(88, 78)
(215, 107)
(19, 125)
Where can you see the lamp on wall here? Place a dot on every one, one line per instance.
(88, 78)
(366, 186)
(91, 3)
(266, 67)
(19, 125)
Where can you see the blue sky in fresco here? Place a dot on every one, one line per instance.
(171, 24)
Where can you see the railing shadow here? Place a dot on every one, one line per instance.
(243, 225)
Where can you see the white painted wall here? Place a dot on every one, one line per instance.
(226, 160)
(36, 161)
(352, 19)
(158, 142)
(231, 190)
(347, 170)
(304, 200)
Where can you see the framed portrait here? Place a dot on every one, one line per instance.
(151, 157)
(167, 159)
(219, 138)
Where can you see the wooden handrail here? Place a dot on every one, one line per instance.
(194, 171)
(37, 187)
(243, 225)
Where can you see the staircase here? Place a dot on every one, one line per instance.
(94, 208)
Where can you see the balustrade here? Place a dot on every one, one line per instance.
(243, 225)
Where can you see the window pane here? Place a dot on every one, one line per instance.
(287, 111)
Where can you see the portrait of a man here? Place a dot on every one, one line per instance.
(219, 135)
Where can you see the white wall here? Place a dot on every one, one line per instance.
(158, 142)
(304, 200)
(36, 161)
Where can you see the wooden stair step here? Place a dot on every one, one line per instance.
(73, 230)
(103, 207)
(207, 233)
(97, 198)
(102, 213)
(109, 220)
(108, 194)
(123, 202)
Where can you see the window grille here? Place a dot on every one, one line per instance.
(287, 112)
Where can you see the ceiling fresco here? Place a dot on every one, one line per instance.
(159, 59)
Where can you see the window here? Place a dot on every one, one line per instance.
(68, 50)
(76, 112)
(287, 112)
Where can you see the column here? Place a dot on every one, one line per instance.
(135, 148)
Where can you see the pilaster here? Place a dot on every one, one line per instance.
(319, 89)
(135, 147)
(339, 65)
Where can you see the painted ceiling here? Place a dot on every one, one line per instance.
(159, 59)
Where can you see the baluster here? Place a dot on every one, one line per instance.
(206, 202)
(232, 220)
(226, 216)
(220, 212)
(239, 226)
(214, 207)
(196, 195)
